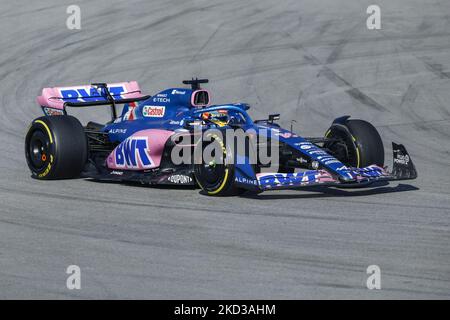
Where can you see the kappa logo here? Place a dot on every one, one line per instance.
(154, 111)
(133, 153)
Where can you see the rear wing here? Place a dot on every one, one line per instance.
(54, 101)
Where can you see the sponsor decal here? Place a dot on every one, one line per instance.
(117, 173)
(175, 91)
(89, 94)
(326, 158)
(316, 152)
(131, 113)
(154, 111)
(160, 99)
(371, 172)
(285, 135)
(174, 122)
(133, 153)
(328, 162)
(305, 145)
(401, 159)
(180, 179)
(117, 131)
(288, 179)
(53, 112)
(246, 181)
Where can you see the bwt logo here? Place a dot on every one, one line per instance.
(133, 152)
(89, 94)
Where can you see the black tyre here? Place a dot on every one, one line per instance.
(358, 144)
(56, 147)
(216, 178)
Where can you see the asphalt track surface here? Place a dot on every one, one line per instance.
(311, 61)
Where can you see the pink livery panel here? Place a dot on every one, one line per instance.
(56, 97)
(141, 151)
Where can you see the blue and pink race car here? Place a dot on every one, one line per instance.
(177, 137)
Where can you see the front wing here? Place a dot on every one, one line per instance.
(403, 169)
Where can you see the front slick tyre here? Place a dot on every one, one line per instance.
(56, 148)
(215, 176)
(360, 143)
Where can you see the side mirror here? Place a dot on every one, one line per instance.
(200, 98)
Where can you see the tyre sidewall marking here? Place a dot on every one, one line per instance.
(48, 168)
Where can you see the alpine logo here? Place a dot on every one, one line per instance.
(246, 181)
(133, 153)
(154, 111)
(117, 131)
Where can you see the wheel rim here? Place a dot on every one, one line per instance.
(211, 173)
(38, 150)
(345, 149)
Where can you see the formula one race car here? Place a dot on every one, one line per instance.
(146, 141)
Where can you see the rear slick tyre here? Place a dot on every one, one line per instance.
(56, 148)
